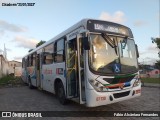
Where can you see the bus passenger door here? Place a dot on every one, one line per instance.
(75, 70)
(71, 69)
(81, 69)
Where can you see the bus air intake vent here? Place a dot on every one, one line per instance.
(123, 94)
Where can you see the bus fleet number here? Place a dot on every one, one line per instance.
(101, 98)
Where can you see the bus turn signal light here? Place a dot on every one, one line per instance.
(138, 91)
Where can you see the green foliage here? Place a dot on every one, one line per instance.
(37, 45)
(151, 80)
(40, 43)
(157, 64)
(6, 79)
(157, 41)
(10, 79)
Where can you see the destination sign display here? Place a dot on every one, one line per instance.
(108, 27)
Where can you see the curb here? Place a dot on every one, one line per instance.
(150, 85)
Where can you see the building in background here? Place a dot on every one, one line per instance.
(15, 67)
(4, 66)
(9, 67)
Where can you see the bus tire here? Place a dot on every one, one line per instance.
(30, 84)
(61, 94)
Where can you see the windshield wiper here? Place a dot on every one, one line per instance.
(124, 43)
(108, 40)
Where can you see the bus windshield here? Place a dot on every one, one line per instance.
(118, 58)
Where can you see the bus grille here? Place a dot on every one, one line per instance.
(118, 80)
(123, 94)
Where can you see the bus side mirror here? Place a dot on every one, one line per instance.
(85, 43)
(137, 53)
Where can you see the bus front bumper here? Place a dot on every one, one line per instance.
(94, 98)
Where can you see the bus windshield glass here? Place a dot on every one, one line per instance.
(116, 58)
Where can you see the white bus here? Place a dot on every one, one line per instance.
(93, 63)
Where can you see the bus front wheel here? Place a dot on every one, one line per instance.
(61, 94)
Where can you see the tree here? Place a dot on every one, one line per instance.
(37, 45)
(157, 64)
(157, 41)
(40, 43)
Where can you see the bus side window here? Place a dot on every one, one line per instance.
(33, 59)
(48, 54)
(59, 51)
(28, 61)
(71, 57)
(23, 63)
(38, 62)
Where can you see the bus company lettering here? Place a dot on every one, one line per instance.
(47, 71)
(101, 98)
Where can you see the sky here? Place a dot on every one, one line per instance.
(22, 27)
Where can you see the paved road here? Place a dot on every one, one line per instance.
(25, 99)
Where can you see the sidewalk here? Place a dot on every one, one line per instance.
(150, 85)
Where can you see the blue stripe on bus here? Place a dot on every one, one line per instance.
(126, 84)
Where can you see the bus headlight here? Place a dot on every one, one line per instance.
(137, 82)
(97, 85)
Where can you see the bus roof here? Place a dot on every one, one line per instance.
(89, 25)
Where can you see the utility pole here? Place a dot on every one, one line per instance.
(5, 52)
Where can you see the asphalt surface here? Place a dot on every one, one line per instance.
(24, 99)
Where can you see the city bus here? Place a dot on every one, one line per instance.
(93, 62)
